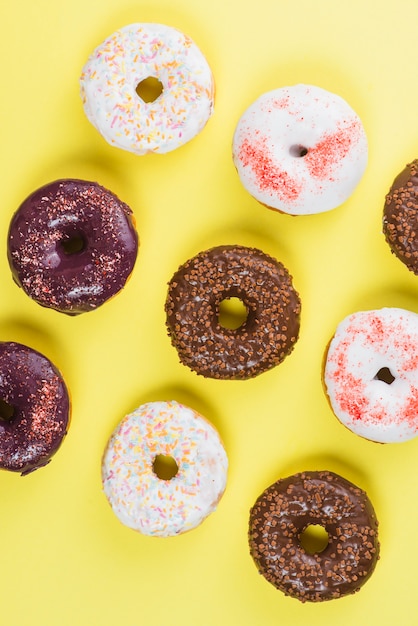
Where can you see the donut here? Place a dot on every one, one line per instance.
(140, 498)
(371, 374)
(202, 284)
(287, 509)
(400, 217)
(34, 408)
(72, 245)
(300, 150)
(165, 62)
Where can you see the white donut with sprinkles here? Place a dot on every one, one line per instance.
(140, 497)
(300, 150)
(371, 374)
(147, 88)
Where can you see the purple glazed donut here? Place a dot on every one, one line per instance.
(72, 245)
(34, 408)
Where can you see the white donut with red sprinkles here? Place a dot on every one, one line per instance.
(300, 150)
(371, 374)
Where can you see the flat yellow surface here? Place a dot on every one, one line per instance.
(65, 558)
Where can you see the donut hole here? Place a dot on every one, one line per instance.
(233, 313)
(73, 244)
(385, 375)
(149, 89)
(314, 539)
(298, 151)
(7, 411)
(165, 467)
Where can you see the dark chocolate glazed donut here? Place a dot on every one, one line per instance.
(34, 408)
(269, 331)
(400, 216)
(283, 512)
(72, 245)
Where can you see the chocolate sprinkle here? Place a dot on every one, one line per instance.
(273, 309)
(287, 508)
(400, 217)
(33, 388)
(72, 245)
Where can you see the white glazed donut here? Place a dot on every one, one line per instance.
(128, 57)
(149, 504)
(300, 150)
(371, 374)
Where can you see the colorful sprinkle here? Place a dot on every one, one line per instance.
(111, 75)
(152, 505)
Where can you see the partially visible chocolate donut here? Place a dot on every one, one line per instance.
(400, 216)
(72, 245)
(269, 331)
(34, 408)
(282, 514)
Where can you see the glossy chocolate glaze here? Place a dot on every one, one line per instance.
(72, 245)
(400, 217)
(34, 391)
(287, 508)
(192, 306)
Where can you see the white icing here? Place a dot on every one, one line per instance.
(139, 498)
(363, 344)
(131, 55)
(274, 129)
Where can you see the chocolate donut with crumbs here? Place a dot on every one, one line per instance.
(196, 293)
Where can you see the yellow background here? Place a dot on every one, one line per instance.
(65, 559)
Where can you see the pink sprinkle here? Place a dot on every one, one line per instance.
(281, 103)
(269, 177)
(350, 399)
(324, 156)
(410, 411)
